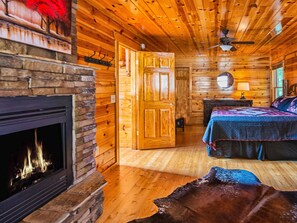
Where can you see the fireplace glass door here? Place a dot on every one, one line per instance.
(35, 153)
(29, 156)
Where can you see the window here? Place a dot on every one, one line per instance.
(277, 81)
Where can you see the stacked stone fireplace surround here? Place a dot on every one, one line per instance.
(26, 70)
(28, 76)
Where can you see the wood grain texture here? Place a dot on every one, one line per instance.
(156, 91)
(287, 54)
(145, 175)
(182, 93)
(192, 27)
(189, 29)
(204, 72)
(127, 97)
(95, 35)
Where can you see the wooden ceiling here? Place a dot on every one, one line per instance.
(191, 27)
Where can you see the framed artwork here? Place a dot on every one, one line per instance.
(42, 23)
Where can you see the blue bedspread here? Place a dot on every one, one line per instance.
(250, 124)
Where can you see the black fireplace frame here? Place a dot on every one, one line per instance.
(22, 113)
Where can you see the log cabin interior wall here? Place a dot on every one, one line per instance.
(95, 35)
(286, 53)
(126, 91)
(204, 72)
(191, 29)
(98, 30)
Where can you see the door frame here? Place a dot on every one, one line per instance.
(122, 42)
(189, 93)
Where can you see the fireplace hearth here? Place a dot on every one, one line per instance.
(36, 153)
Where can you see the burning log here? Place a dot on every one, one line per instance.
(34, 168)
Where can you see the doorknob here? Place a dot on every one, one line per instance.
(172, 104)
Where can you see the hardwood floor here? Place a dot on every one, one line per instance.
(144, 175)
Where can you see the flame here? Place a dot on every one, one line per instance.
(41, 161)
(33, 165)
(28, 168)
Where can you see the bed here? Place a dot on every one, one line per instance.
(264, 133)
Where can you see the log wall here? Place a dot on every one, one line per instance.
(288, 54)
(204, 72)
(94, 35)
(99, 28)
(126, 97)
(96, 31)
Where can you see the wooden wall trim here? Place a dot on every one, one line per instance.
(127, 97)
(117, 101)
(125, 41)
(134, 99)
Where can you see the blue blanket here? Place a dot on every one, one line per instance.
(250, 124)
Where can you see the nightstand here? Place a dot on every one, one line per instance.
(208, 104)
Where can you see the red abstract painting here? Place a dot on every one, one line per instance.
(49, 22)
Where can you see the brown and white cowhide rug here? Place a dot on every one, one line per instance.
(226, 196)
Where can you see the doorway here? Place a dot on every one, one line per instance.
(182, 92)
(127, 97)
(146, 99)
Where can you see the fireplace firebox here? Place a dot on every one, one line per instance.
(35, 153)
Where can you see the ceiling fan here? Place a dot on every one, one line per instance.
(226, 42)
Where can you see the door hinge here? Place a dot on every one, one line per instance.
(137, 133)
(136, 62)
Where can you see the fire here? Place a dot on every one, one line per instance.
(33, 165)
(28, 168)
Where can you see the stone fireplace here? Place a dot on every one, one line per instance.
(32, 91)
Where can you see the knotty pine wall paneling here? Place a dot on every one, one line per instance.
(98, 29)
(286, 52)
(93, 35)
(290, 67)
(126, 93)
(204, 72)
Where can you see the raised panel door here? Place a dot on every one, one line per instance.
(156, 100)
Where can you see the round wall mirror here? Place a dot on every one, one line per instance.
(225, 80)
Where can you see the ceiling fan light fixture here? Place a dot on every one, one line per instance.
(226, 47)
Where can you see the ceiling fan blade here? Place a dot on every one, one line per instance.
(226, 40)
(233, 49)
(243, 42)
(214, 46)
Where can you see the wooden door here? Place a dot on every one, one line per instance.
(156, 100)
(182, 106)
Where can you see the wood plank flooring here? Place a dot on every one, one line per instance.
(144, 175)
